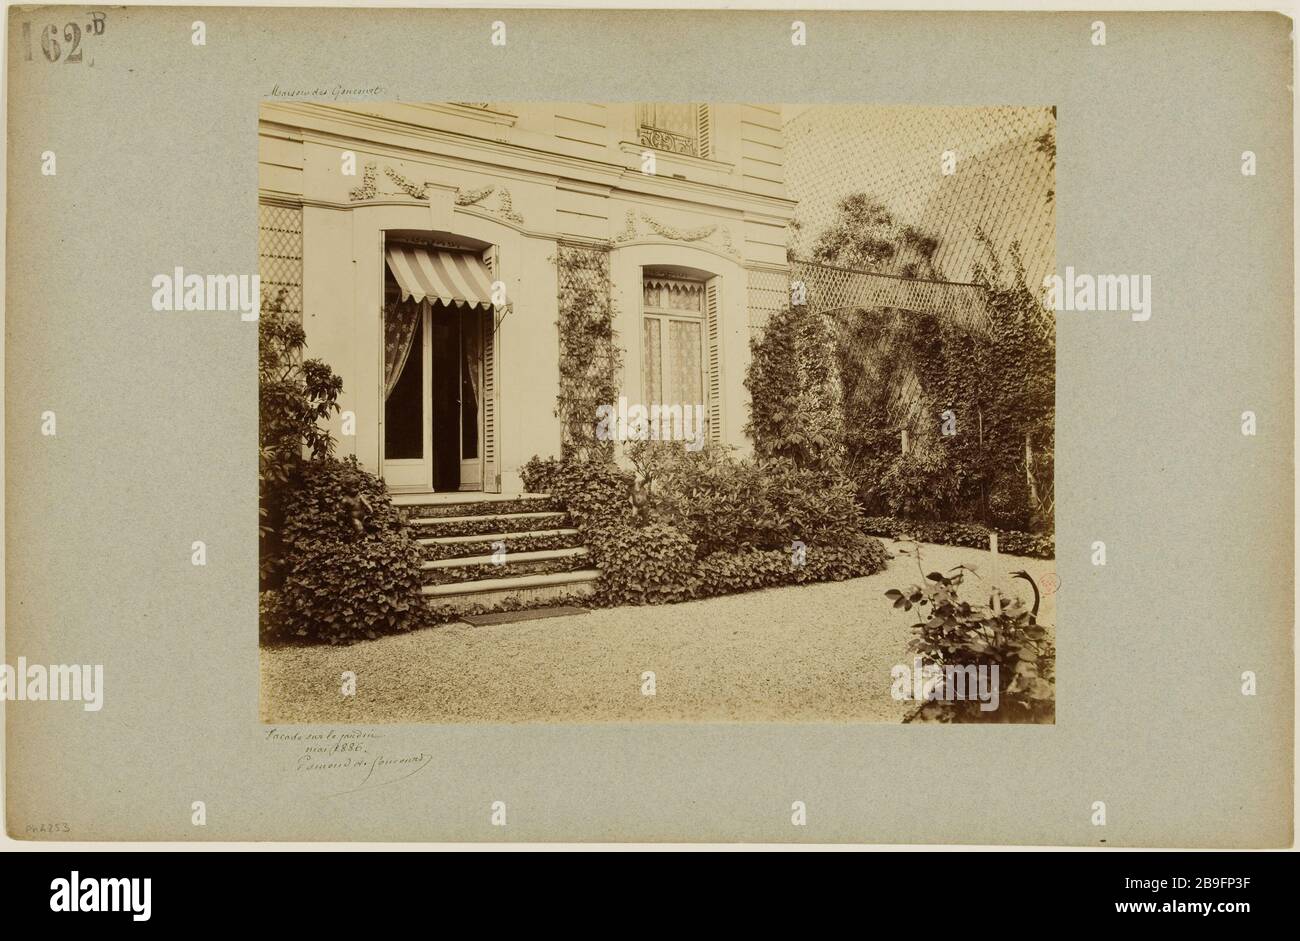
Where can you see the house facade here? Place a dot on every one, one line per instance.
(419, 245)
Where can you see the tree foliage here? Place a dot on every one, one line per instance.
(865, 235)
(294, 396)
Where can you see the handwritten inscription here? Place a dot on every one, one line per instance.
(334, 92)
(354, 758)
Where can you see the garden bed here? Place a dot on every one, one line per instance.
(970, 535)
(699, 524)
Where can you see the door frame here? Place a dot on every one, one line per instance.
(489, 434)
(414, 473)
(476, 464)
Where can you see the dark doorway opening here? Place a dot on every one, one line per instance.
(446, 399)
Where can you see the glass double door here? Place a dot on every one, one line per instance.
(433, 415)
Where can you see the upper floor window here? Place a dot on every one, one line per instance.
(676, 128)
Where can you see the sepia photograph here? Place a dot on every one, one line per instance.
(712, 439)
(656, 411)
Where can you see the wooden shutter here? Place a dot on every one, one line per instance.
(704, 133)
(713, 336)
(491, 461)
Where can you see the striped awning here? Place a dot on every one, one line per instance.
(456, 278)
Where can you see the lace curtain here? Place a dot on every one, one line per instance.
(401, 324)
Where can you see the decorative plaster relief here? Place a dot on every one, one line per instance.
(369, 189)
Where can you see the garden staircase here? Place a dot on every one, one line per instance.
(486, 548)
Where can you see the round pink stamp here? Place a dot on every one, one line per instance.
(1051, 582)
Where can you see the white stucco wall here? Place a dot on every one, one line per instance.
(523, 202)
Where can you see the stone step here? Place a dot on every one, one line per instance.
(493, 537)
(485, 524)
(465, 574)
(525, 588)
(451, 498)
(511, 558)
(459, 547)
(480, 517)
(462, 505)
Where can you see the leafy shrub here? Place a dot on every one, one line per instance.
(594, 492)
(294, 395)
(719, 525)
(719, 503)
(539, 474)
(638, 564)
(724, 573)
(642, 565)
(812, 505)
(854, 556)
(351, 569)
(971, 535)
(1009, 502)
(725, 504)
(920, 485)
(959, 634)
(270, 614)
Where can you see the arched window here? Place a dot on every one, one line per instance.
(673, 341)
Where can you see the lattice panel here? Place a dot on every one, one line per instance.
(842, 294)
(832, 288)
(279, 254)
(768, 292)
(586, 369)
(893, 153)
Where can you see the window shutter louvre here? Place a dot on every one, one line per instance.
(713, 333)
(704, 139)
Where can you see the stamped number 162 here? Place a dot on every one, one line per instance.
(71, 34)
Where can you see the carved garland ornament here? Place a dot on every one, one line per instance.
(700, 234)
(473, 197)
(370, 190)
(367, 189)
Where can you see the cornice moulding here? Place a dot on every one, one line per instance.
(536, 164)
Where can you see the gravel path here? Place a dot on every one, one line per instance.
(804, 653)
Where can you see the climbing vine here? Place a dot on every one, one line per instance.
(976, 399)
(591, 360)
(794, 387)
